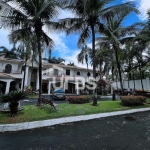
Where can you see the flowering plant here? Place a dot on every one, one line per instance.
(78, 99)
(132, 100)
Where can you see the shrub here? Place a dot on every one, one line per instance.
(132, 100)
(105, 92)
(78, 99)
(102, 92)
(12, 98)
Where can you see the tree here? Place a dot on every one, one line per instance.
(36, 14)
(84, 55)
(70, 64)
(89, 20)
(114, 32)
(54, 60)
(11, 54)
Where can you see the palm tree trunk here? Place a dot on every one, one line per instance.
(128, 82)
(94, 65)
(141, 79)
(24, 74)
(40, 65)
(134, 82)
(118, 66)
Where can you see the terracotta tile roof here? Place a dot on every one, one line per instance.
(5, 75)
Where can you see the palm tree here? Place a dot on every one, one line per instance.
(84, 54)
(114, 33)
(11, 54)
(70, 64)
(89, 20)
(36, 14)
(26, 46)
(54, 60)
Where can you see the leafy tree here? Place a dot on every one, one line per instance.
(114, 32)
(36, 14)
(54, 60)
(11, 54)
(90, 16)
(70, 64)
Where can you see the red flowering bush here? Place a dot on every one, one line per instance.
(132, 100)
(78, 99)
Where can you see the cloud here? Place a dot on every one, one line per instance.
(65, 14)
(73, 59)
(143, 6)
(4, 38)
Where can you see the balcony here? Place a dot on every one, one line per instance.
(11, 72)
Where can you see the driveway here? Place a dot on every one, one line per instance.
(126, 132)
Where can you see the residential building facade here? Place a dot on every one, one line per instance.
(54, 76)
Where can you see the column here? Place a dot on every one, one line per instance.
(26, 76)
(49, 87)
(21, 84)
(37, 81)
(64, 86)
(7, 87)
(77, 88)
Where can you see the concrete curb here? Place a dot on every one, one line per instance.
(51, 122)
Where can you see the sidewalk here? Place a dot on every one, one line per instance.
(46, 123)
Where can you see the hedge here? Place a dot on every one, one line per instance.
(132, 100)
(78, 99)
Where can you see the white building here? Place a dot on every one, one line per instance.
(133, 83)
(12, 72)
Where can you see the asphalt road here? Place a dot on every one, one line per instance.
(126, 132)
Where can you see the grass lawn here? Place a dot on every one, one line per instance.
(34, 113)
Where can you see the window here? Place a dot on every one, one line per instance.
(68, 72)
(78, 73)
(56, 72)
(88, 74)
(96, 74)
(8, 68)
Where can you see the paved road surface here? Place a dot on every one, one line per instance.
(127, 132)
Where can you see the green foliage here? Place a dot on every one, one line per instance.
(132, 100)
(78, 99)
(12, 97)
(102, 92)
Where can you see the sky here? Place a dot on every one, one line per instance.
(66, 46)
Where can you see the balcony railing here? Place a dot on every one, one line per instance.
(11, 72)
(53, 74)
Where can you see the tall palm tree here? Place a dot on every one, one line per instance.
(113, 35)
(84, 55)
(89, 20)
(36, 14)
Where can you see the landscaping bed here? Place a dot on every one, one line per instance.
(34, 113)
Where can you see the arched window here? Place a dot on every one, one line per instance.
(8, 68)
(78, 73)
(88, 74)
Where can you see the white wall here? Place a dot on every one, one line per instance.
(138, 86)
(4, 63)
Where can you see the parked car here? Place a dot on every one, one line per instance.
(59, 94)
